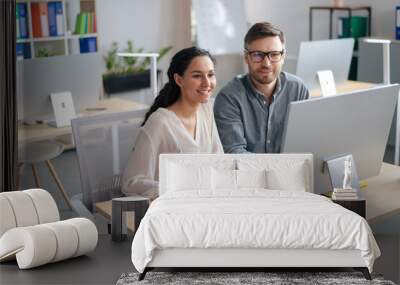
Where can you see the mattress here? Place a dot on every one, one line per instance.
(251, 219)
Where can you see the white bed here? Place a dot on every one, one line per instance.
(220, 211)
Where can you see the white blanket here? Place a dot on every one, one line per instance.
(251, 219)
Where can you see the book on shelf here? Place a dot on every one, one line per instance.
(78, 24)
(59, 19)
(51, 9)
(17, 21)
(88, 45)
(94, 23)
(85, 23)
(89, 22)
(44, 22)
(35, 14)
(354, 27)
(20, 50)
(22, 21)
(23, 50)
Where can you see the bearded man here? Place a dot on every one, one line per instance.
(250, 110)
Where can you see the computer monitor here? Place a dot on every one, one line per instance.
(334, 55)
(356, 123)
(79, 74)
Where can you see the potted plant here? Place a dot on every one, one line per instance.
(128, 73)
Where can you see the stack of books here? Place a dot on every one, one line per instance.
(85, 23)
(344, 194)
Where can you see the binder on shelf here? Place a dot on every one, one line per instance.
(17, 21)
(77, 23)
(44, 23)
(23, 50)
(92, 44)
(354, 27)
(87, 45)
(90, 23)
(94, 23)
(398, 22)
(51, 9)
(59, 19)
(27, 50)
(20, 50)
(80, 23)
(23, 20)
(36, 26)
(85, 23)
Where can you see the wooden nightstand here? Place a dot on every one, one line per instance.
(357, 206)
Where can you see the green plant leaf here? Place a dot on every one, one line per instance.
(111, 57)
(163, 51)
(124, 65)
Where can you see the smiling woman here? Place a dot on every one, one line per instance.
(179, 121)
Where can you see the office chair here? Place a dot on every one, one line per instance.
(103, 145)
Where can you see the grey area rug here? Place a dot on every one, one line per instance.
(225, 278)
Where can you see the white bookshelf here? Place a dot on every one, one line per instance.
(66, 44)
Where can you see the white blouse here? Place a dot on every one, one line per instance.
(164, 132)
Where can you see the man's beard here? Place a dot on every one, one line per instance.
(271, 77)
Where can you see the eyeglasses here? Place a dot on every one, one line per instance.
(259, 56)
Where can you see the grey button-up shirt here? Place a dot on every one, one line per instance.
(247, 122)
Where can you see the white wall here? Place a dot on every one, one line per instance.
(150, 24)
(293, 17)
(157, 23)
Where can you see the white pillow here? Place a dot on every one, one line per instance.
(224, 179)
(188, 177)
(293, 178)
(251, 178)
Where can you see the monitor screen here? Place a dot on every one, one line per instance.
(334, 55)
(356, 123)
(79, 74)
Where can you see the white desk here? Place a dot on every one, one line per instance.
(346, 87)
(39, 132)
(383, 193)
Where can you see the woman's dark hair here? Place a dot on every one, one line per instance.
(170, 93)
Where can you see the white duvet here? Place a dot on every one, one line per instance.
(250, 219)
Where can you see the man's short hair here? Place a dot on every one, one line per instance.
(262, 30)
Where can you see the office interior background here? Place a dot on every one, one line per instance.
(77, 58)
